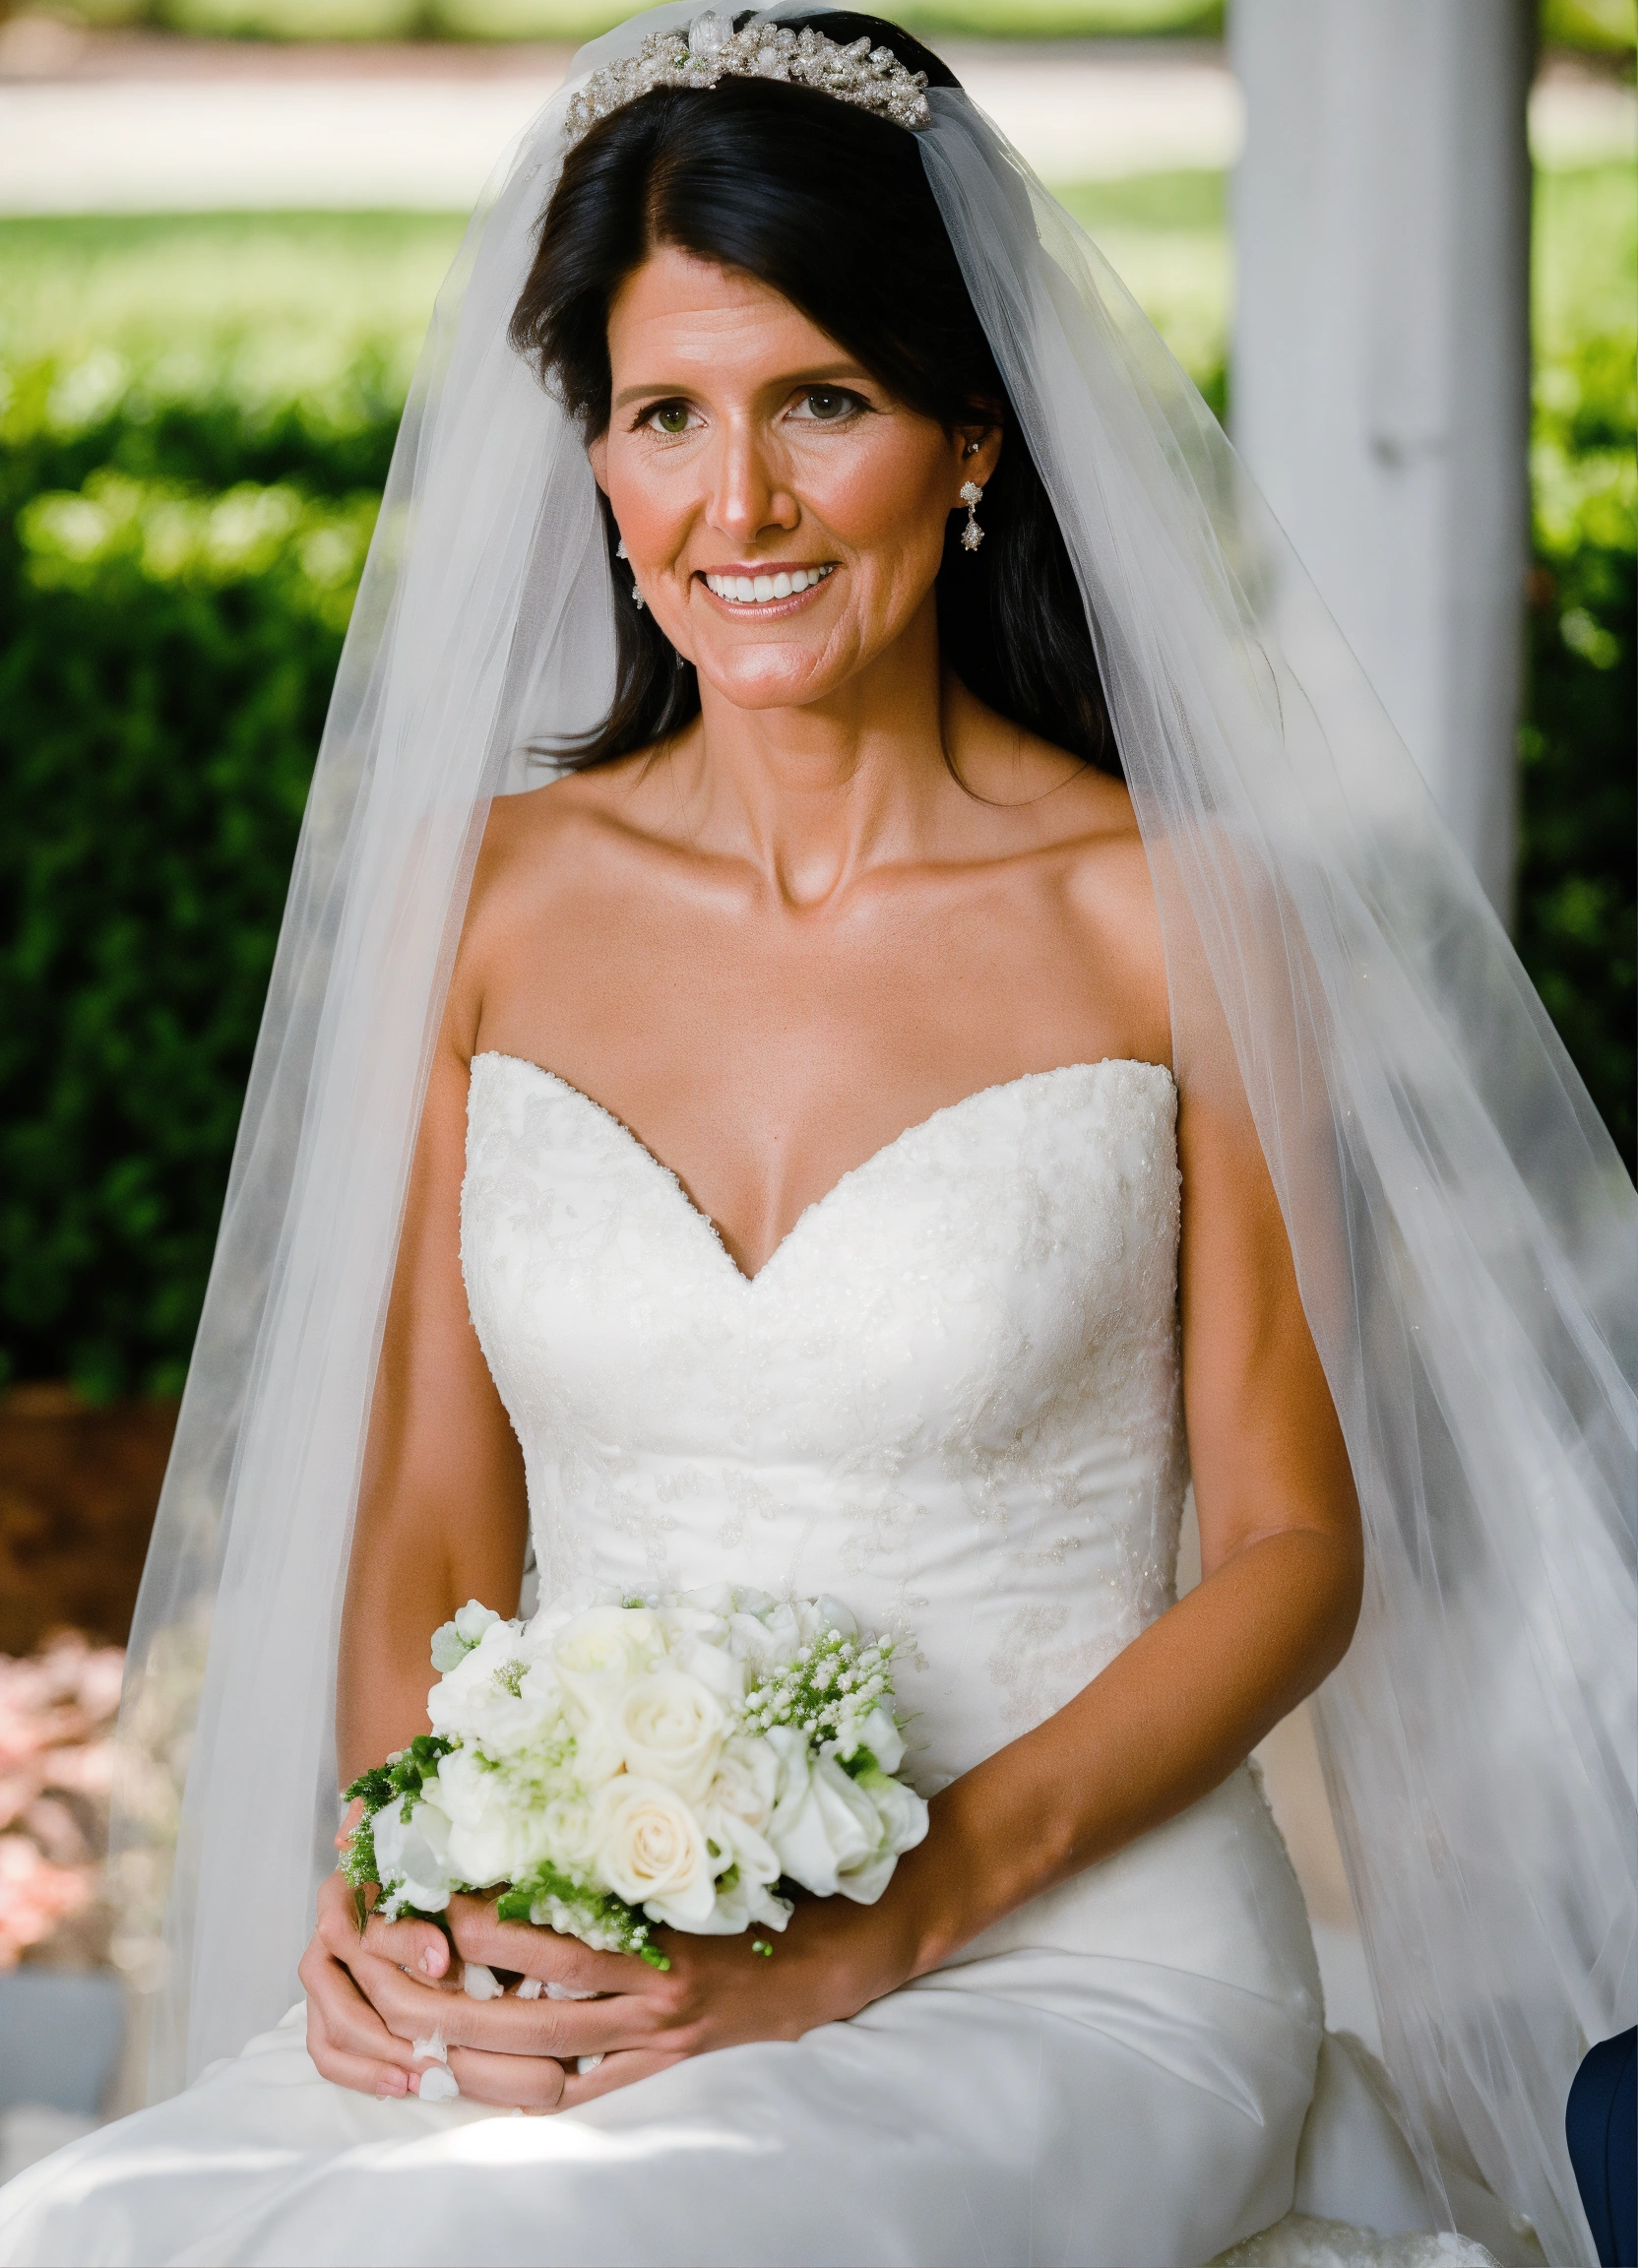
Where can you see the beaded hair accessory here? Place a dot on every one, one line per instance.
(872, 78)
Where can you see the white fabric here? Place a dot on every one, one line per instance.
(951, 1398)
(1464, 1234)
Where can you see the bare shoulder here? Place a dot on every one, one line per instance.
(545, 853)
(1071, 819)
(576, 809)
(1070, 832)
(1107, 895)
(574, 833)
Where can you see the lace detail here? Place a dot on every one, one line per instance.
(1301, 2241)
(951, 1395)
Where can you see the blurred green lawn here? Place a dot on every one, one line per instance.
(1609, 25)
(575, 19)
(270, 308)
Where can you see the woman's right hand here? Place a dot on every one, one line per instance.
(355, 1980)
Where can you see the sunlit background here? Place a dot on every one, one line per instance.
(221, 226)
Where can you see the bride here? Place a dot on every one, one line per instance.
(981, 1003)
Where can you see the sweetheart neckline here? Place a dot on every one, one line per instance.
(639, 1147)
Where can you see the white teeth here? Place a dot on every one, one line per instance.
(758, 590)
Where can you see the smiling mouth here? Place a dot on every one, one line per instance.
(764, 589)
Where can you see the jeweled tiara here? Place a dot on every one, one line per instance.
(872, 78)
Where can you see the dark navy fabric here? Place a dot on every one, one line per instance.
(1600, 2124)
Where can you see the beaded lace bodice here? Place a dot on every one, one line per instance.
(951, 1396)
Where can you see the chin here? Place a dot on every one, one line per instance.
(772, 679)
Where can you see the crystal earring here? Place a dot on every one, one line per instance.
(620, 552)
(971, 536)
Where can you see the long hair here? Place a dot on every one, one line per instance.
(829, 206)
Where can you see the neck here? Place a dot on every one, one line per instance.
(815, 793)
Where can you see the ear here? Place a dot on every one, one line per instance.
(596, 454)
(978, 452)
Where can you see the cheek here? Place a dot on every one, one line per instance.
(889, 499)
(653, 501)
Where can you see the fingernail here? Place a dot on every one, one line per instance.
(393, 2083)
(430, 1964)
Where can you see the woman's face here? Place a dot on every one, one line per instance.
(748, 454)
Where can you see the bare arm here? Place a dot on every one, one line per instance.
(442, 1515)
(442, 1518)
(1282, 1566)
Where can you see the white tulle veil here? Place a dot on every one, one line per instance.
(1466, 1238)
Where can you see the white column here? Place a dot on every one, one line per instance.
(1380, 374)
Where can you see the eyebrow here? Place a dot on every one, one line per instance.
(829, 373)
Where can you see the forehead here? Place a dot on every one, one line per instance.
(693, 313)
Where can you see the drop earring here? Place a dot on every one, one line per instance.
(620, 552)
(971, 536)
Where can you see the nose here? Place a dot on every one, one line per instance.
(749, 495)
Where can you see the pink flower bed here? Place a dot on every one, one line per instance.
(57, 1711)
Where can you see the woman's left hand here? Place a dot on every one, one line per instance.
(832, 1960)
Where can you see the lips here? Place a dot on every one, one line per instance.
(764, 590)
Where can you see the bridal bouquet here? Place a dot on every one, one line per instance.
(669, 1760)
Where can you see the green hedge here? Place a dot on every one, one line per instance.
(177, 564)
(162, 689)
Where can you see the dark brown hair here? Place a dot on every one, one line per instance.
(829, 206)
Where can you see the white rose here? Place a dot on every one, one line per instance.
(607, 1644)
(743, 1904)
(818, 1618)
(672, 1729)
(595, 1657)
(488, 1696)
(733, 1845)
(782, 1633)
(706, 1655)
(561, 1832)
(746, 1785)
(902, 1820)
(822, 1824)
(475, 1798)
(717, 1598)
(652, 1853)
(411, 1854)
(881, 1736)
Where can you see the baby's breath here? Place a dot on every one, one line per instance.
(827, 1691)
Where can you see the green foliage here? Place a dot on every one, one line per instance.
(1578, 748)
(553, 1900)
(405, 1772)
(1606, 27)
(194, 423)
(162, 686)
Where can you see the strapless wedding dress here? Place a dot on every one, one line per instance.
(951, 1398)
